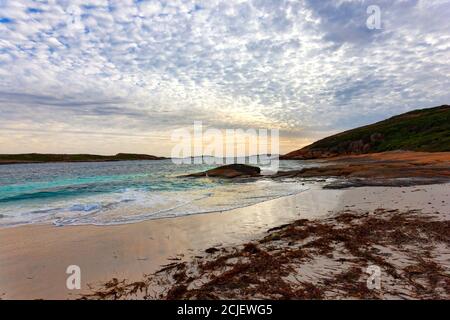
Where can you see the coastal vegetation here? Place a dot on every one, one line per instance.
(39, 157)
(425, 130)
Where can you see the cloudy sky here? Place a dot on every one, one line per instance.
(120, 75)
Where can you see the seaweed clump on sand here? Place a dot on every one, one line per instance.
(314, 259)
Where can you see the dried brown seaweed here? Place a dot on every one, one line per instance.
(277, 265)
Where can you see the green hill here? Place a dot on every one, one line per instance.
(39, 157)
(418, 130)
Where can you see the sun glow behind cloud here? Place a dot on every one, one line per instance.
(119, 76)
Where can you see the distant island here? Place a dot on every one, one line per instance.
(426, 130)
(43, 158)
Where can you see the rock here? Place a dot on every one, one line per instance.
(375, 137)
(211, 250)
(356, 147)
(230, 171)
(366, 148)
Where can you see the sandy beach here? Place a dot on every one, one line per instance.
(34, 258)
(224, 150)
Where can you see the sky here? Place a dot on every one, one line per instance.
(120, 76)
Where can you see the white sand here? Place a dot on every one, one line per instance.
(33, 259)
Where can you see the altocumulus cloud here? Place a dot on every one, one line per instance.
(141, 68)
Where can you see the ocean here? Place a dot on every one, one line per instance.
(106, 193)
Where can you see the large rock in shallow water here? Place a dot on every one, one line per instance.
(230, 171)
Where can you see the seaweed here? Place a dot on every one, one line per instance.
(274, 267)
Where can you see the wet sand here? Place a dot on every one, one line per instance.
(33, 259)
(375, 254)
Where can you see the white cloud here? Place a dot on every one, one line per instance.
(145, 67)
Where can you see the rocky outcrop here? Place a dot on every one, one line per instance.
(418, 167)
(230, 171)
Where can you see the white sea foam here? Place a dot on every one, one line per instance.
(125, 192)
(134, 205)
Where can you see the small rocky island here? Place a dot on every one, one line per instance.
(230, 171)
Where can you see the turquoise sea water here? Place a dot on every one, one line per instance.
(122, 192)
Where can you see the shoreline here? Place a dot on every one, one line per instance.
(34, 258)
(356, 252)
(380, 254)
(243, 207)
